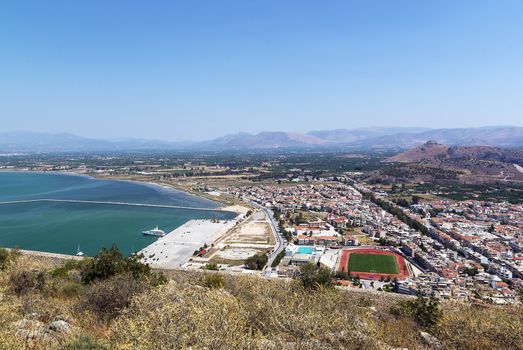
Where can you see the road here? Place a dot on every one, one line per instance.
(277, 234)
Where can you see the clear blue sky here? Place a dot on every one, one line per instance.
(196, 69)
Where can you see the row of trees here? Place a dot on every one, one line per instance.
(399, 213)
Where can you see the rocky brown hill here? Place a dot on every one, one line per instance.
(427, 151)
(433, 161)
(434, 151)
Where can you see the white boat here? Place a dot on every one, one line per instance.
(154, 232)
(79, 252)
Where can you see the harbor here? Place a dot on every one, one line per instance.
(178, 246)
(56, 212)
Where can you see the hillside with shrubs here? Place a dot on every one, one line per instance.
(115, 302)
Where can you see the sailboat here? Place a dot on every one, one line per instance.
(78, 251)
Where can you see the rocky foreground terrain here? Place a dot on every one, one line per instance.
(112, 302)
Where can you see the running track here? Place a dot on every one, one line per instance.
(344, 260)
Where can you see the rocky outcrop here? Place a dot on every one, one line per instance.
(431, 341)
(31, 328)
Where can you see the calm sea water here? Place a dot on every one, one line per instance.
(59, 227)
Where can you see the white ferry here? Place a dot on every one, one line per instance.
(154, 232)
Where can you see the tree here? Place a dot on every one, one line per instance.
(110, 262)
(278, 258)
(342, 275)
(312, 276)
(256, 262)
(211, 266)
(425, 310)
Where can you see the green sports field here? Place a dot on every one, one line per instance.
(373, 263)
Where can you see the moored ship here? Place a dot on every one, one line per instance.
(154, 232)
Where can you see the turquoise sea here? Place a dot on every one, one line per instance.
(59, 227)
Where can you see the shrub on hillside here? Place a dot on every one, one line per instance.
(425, 310)
(71, 289)
(5, 258)
(111, 262)
(24, 281)
(106, 298)
(211, 266)
(83, 343)
(312, 276)
(256, 262)
(214, 281)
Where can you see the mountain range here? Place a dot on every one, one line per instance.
(378, 138)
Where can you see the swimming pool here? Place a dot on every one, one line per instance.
(305, 250)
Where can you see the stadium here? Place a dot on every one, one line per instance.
(373, 264)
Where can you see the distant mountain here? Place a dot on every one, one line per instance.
(263, 140)
(393, 138)
(502, 136)
(369, 138)
(32, 142)
(349, 136)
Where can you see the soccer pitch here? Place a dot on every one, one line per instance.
(373, 263)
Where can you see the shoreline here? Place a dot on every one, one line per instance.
(161, 185)
(238, 210)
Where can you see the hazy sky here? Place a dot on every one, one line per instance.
(196, 69)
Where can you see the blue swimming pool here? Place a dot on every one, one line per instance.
(305, 250)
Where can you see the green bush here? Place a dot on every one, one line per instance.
(4, 258)
(425, 310)
(7, 257)
(84, 343)
(215, 281)
(106, 298)
(71, 289)
(210, 266)
(312, 276)
(256, 262)
(59, 272)
(110, 262)
(23, 281)
(278, 258)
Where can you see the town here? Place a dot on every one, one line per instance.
(292, 213)
(467, 250)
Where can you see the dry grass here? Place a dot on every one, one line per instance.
(247, 312)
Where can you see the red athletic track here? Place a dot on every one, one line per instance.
(344, 260)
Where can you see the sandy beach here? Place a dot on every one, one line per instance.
(177, 247)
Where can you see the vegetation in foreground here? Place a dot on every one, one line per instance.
(113, 302)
